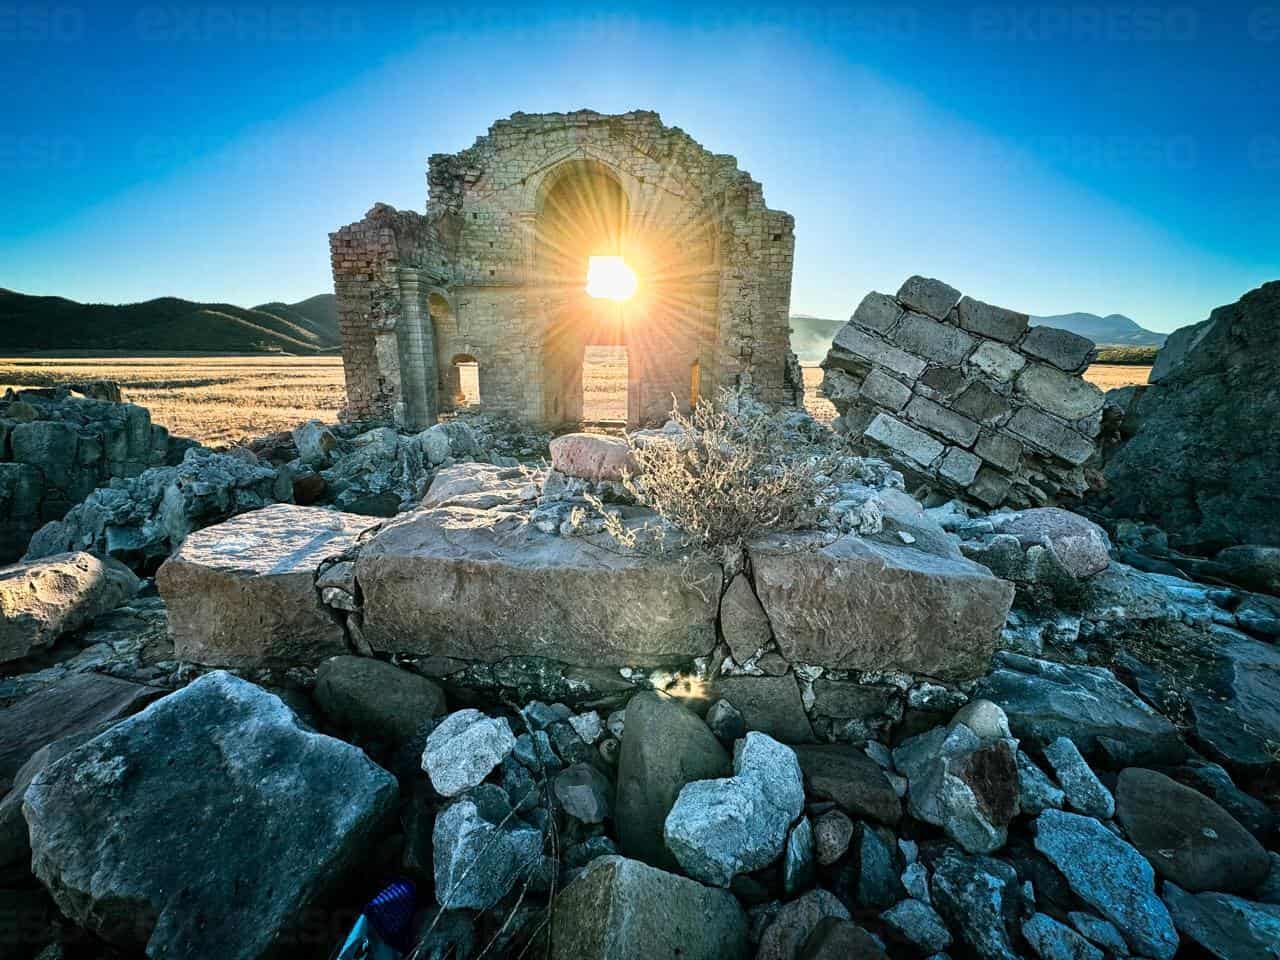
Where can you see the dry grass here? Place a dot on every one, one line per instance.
(216, 399)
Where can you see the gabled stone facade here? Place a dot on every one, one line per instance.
(494, 272)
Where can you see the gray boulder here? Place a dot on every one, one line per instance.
(1052, 940)
(1082, 789)
(974, 895)
(664, 746)
(218, 779)
(792, 926)
(846, 775)
(620, 909)
(832, 833)
(1036, 792)
(798, 860)
(584, 793)
(1110, 876)
(1226, 926)
(376, 700)
(918, 924)
(836, 939)
(768, 704)
(1078, 546)
(464, 749)
(720, 828)
(1187, 838)
(479, 850)
(41, 600)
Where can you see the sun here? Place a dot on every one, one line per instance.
(609, 278)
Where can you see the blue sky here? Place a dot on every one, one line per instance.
(1105, 158)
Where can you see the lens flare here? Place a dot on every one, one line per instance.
(609, 278)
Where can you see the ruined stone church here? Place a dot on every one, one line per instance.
(551, 237)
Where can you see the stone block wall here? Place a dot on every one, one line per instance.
(55, 449)
(964, 397)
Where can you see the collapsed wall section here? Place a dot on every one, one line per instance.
(966, 398)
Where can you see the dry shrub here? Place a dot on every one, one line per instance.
(728, 473)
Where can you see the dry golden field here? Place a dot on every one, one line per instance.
(216, 399)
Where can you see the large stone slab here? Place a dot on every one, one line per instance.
(243, 593)
(858, 605)
(484, 585)
(40, 600)
(162, 832)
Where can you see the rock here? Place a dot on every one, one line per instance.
(375, 699)
(719, 828)
(15, 845)
(1202, 459)
(243, 593)
(1100, 932)
(1228, 927)
(870, 879)
(832, 833)
(787, 934)
(1062, 348)
(486, 586)
(1036, 792)
(931, 297)
(588, 726)
(1046, 700)
(217, 780)
(41, 600)
(1110, 876)
(985, 719)
(78, 703)
(1189, 839)
(591, 456)
(742, 620)
(726, 721)
(1080, 546)
(911, 611)
(621, 909)
(1084, 792)
(1269, 892)
(1052, 940)
(961, 783)
(769, 705)
(798, 866)
(836, 939)
(974, 894)
(316, 443)
(854, 781)
(664, 746)
(1251, 566)
(918, 924)
(584, 793)
(480, 850)
(915, 880)
(464, 749)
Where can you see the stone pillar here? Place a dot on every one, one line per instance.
(417, 355)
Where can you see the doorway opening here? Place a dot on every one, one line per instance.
(605, 383)
(465, 381)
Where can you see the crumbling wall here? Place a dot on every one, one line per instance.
(964, 397)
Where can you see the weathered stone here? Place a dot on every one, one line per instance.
(1082, 789)
(375, 699)
(931, 297)
(832, 833)
(849, 777)
(1189, 839)
(479, 852)
(1229, 928)
(720, 828)
(940, 342)
(584, 793)
(15, 844)
(1052, 940)
(485, 586)
(837, 939)
(1058, 393)
(988, 321)
(918, 924)
(1111, 877)
(41, 600)
(877, 311)
(798, 864)
(464, 749)
(770, 705)
(1099, 931)
(664, 746)
(726, 721)
(217, 779)
(974, 894)
(1079, 546)
(996, 361)
(938, 419)
(742, 620)
(999, 450)
(979, 402)
(591, 456)
(916, 445)
(1050, 435)
(242, 593)
(316, 443)
(620, 909)
(857, 343)
(959, 466)
(1215, 783)
(1065, 350)
(910, 611)
(871, 876)
(887, 391)
(1036, 792)
(786, 936)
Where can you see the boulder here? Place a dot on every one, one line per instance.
(479, 851)
(464, 749)
(1203, 460)
(836, 939)
(1227, 927)
(917, 924)
(1036, 792)
(1189, 839)
(1081, 788)
(1110, 876)
(720, 828)
(1080, 546)
(798, 859)
(796, 922)
(767, 704)
(1046, 700)
(584, 793)
(217, 780)
(591, 456)
(1052, 940)
(77, 703)
(620, 909)
(243, 593)
(742, 620)
(376, 700)
(664, 746)
(485, 586)
(832, 833)
(860, 605)
(847, 776)
(974, 895)
(41, 600)
(15, 843)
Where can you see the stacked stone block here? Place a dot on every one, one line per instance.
(965, 397)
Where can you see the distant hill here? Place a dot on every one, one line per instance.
(167, 325)
(811, 336)
(1115, 330)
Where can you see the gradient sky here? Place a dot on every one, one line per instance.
(1104, 158)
